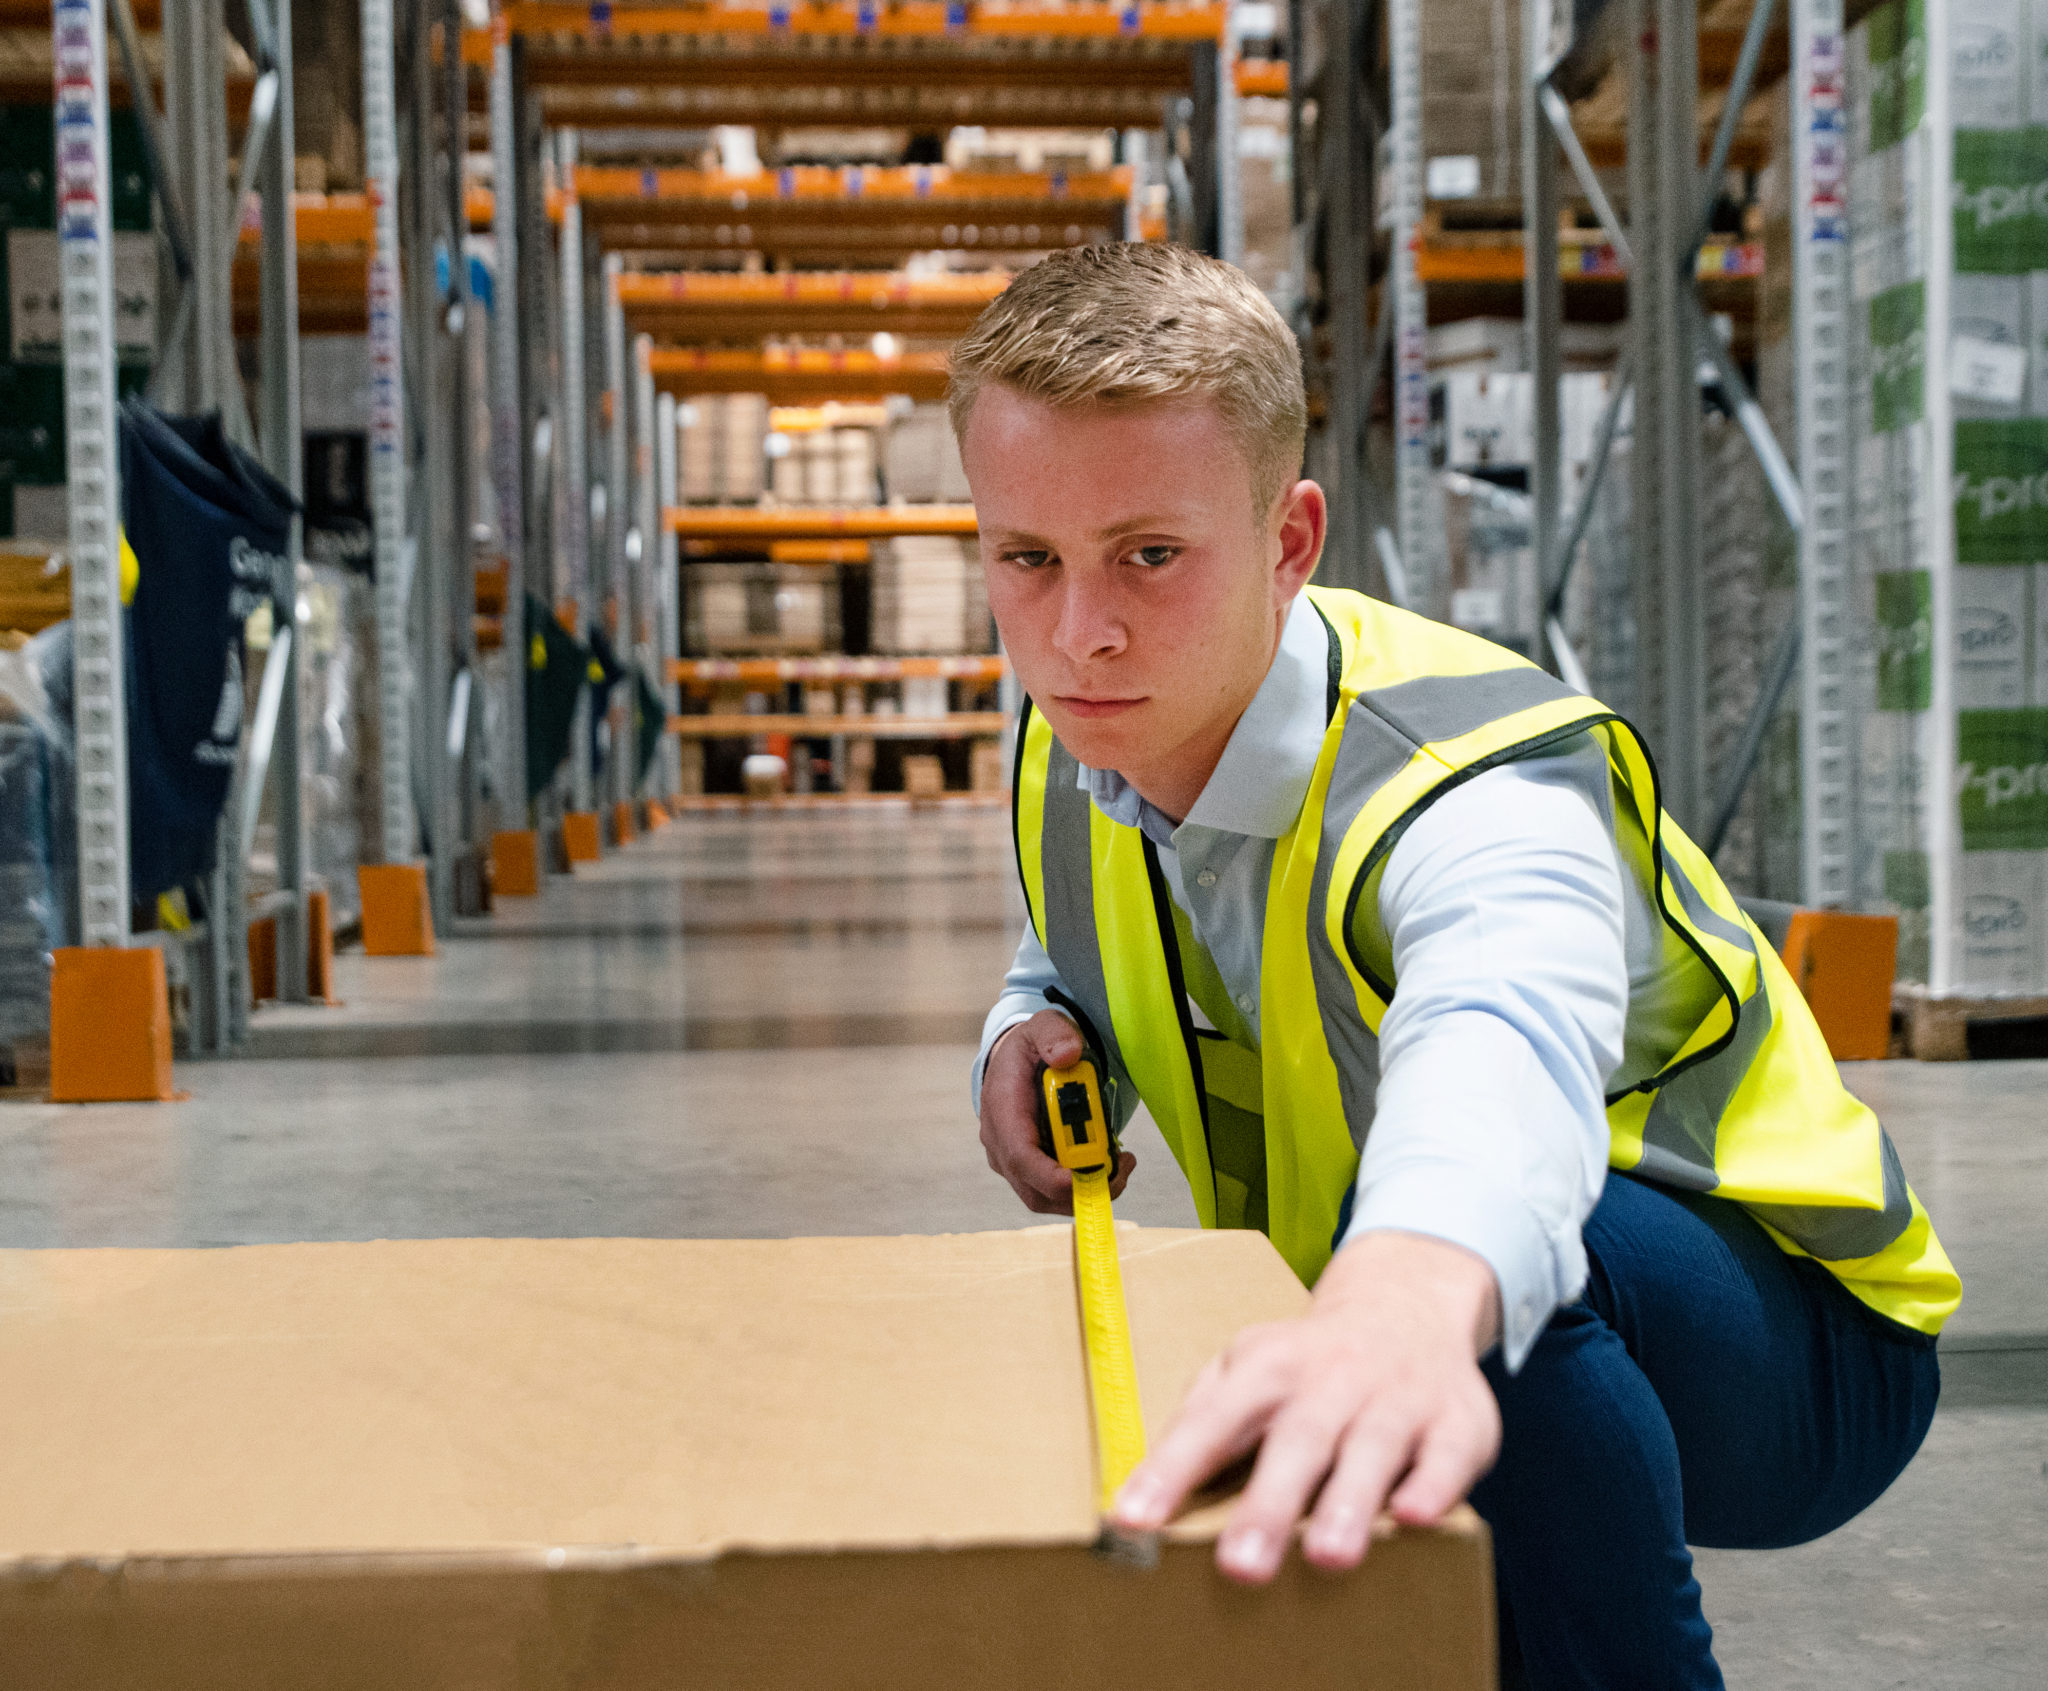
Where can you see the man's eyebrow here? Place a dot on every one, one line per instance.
(1122, 526)
(1135, 525)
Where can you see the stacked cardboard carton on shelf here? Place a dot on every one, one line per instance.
(825, 466)
(719, 448)
(922, 461)
(772, 609)
(928, 597)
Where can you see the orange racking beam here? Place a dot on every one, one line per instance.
(1262, 78)
(799, 377)
(771, 670)
(954, 725)
(796, 522)
(876, 290)
(926, 189)
(669, 100)
(1718, 261)
(1148, 20)
(721, 305)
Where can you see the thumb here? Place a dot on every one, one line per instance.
(1059, 1041)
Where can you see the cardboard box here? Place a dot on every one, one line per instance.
(518, 1464)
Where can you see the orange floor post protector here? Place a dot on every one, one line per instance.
(657, 815)
(582, 839)
(319, 948)
(110, 1025)
(515, 863)
(1844, 965)
(263, 959)
(622, 821)
(397, 919)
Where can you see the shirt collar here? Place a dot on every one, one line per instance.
(1263, 775)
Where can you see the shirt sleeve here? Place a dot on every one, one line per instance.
(1022, 997)
(1503, 903)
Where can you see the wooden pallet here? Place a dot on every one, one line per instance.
(1937, 1030)
(33, 595)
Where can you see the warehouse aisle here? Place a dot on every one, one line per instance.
(761, 1027)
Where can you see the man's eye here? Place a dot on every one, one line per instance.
(1152, 557)
(1029, 560)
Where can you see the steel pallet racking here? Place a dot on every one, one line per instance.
(623, 233)
(1646, 86)
(189, 60)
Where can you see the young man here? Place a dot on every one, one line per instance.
(1386, 928)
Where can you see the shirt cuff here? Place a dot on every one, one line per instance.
(1011, 1008)
(1446, 1201)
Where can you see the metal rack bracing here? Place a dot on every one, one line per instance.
(1355, 87)
(1670, 342)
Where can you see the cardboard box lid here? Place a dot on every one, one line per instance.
(392, 1411)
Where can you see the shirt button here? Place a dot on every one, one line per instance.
(1207, 878)
(1244, 1002)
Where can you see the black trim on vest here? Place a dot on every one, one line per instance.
(1336, 682)
(1176, 981)
(1016, 813)
(1098, 1052)
(1542, 742)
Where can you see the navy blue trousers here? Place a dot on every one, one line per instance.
(1706, 1390)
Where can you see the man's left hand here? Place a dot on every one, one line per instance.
(1372, 1399)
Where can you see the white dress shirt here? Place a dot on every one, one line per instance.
(1516, 934)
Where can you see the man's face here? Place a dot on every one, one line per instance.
(1138, 597)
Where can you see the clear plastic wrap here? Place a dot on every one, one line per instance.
(338, 695)
(36, 830)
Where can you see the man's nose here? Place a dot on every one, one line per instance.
(1089, 625)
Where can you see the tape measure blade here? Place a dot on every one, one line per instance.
(1106, 1337)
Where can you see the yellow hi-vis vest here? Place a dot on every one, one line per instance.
(1746, 1104)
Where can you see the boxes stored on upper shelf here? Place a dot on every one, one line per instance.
(1488, 417)
(1495, 344)
(921, 465)
(734, 1465)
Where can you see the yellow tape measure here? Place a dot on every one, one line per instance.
(1082, 1143)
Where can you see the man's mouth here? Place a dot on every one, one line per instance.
(1096, 709)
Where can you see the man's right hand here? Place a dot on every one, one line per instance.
(1009, 1112)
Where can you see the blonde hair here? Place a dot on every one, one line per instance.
(1135, 322)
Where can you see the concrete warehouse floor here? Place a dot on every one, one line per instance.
(762, 1026)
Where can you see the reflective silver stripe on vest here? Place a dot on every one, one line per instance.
(1369, 756)
(1834, 1234)
(1071, 939)
(1444, 707)
(1382, 733)
(1702, 914)
(1684, 1122)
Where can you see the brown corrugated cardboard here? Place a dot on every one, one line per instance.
(521, 1464)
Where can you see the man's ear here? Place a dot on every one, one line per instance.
(1303, 521)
